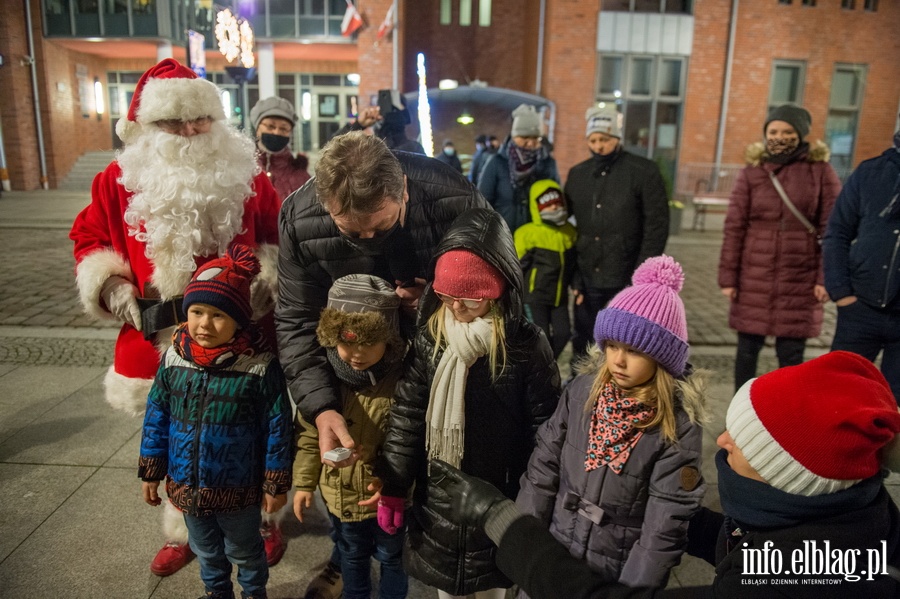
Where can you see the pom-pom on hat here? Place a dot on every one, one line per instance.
(797, 117)
(225, 284)
(606, 120)
(649, 315)
(526, 121)
(818, 427)
(361, 309)
(274, 106)
(166, 91)
(462, 274)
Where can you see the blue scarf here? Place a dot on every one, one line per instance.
(755, 505)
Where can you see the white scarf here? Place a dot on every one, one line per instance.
(446, 416)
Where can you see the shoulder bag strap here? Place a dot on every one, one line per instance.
(787, 202)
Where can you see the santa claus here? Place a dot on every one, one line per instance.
(185, 186)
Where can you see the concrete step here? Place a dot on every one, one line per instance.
(85, 169)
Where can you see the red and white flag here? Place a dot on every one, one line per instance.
(388, 24)
(352, 20)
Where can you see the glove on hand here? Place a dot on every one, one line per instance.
(262, 297)
(119, 296)
(390, 513)
(472, 498)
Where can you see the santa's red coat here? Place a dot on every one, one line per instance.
(104, 248)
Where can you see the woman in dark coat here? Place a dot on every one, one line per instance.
(503, 403)
(771, 264)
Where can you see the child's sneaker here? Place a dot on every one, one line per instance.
(274, 543)
(171, 558)
(327, 585)
(218, 595)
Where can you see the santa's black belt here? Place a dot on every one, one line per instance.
(157, 314)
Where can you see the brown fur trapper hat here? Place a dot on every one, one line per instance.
(362, 309)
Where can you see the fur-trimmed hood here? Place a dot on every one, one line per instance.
(690, 388)
(369, 327)
(756, 154)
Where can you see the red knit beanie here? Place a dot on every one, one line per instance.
(462, 274)
(816, 428)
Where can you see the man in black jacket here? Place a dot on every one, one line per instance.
(367, 211)
(622, 214)
(807, 514)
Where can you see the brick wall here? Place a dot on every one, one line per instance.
(570, 67)
(821, 36)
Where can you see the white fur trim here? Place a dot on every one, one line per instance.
(179, 98)
(90, 274)
(126, 394)
(767, 456)
(169, 281)
(173, 525)
(266, 282)
(127, 130)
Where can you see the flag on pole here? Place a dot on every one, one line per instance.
(352, 20)
(388, 24)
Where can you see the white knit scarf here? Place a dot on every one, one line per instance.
(446, 416)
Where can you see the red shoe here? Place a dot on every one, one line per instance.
(273, 542)
(171, 558)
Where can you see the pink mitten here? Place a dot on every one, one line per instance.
(390, 513)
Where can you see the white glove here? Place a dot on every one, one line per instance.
(262, 297)
(119, 296)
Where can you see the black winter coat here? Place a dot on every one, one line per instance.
(622, 217)
(313, 255)
(501, 416)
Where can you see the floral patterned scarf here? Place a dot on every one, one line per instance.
(246, 340)
(613, 435)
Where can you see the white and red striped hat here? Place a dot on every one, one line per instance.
(818, 427)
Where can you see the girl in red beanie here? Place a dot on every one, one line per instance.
(483, 381)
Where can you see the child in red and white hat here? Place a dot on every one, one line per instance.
(484, 379)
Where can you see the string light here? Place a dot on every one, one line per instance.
(424, 108)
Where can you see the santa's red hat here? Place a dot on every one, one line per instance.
(816, 428)
(169, 90)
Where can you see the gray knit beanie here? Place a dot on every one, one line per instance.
(526, 122)
(274, 106)
(606, 120)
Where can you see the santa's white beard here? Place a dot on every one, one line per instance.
(189, 193)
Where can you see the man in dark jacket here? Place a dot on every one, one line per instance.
(807, 513)
(861, 255)
(449, 157)
(622, 213)
(367, 211)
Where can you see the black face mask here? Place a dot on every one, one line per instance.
(274, 143)
(372, 246)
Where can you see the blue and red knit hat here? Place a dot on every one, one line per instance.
(649, 315)
(224, 283)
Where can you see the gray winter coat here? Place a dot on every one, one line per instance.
(630, 527)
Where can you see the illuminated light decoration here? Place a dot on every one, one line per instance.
(306, 106)
(99, 104)
(235, 38)
(424, 107)
(465, 118)
(448, 84)
(226, 101)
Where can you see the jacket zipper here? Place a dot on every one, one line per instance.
(887, 281)
(460, 561)
(197, 427)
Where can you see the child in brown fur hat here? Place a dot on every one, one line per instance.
(360, 331)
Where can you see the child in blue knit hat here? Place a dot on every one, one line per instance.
(218, 428)
(616, 472)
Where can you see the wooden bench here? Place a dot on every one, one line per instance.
(704, 205)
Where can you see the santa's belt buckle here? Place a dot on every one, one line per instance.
(157, 315)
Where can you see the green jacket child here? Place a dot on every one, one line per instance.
(546, 249)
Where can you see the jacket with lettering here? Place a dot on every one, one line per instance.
(220, 437)
(629, 527)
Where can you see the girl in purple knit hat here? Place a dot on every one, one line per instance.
(616, 472)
